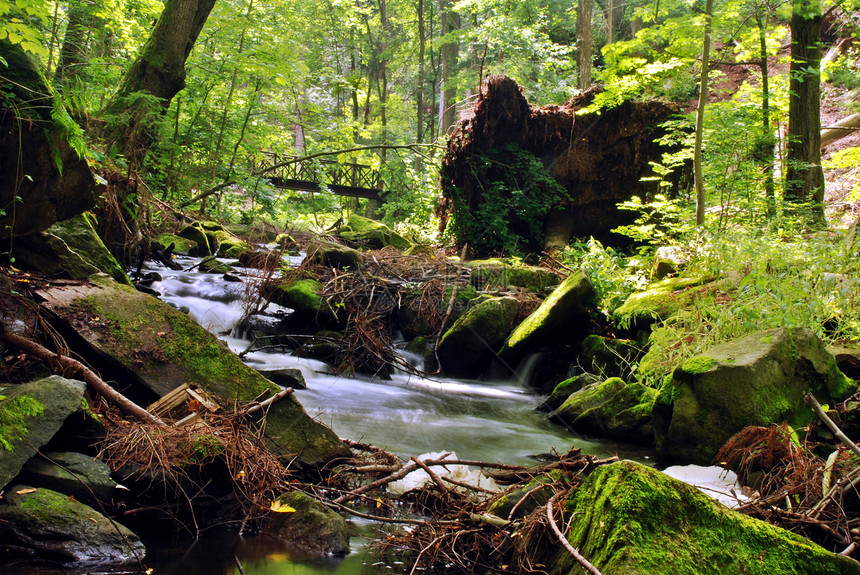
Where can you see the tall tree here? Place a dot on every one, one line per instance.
(450, 50)
(700, 116)
(153, 79)
(584, 11)
(804, 177)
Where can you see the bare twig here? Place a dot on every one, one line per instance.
(563, 539)
(816, 407)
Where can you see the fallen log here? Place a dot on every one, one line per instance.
(61, 364)
(842, 128)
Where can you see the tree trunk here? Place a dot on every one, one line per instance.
(804, 178)
(73, 53)
(584, 10)
(450, 50)
(700, 117)
(766, 148)
(153, 79)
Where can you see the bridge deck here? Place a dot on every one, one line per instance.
(343, 179)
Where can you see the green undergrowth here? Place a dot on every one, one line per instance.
(767, 278)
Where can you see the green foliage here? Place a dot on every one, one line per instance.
(517, 193)
(21, 22)
(660, 222)
(613, 275)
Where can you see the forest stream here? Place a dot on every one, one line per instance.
(407, 415)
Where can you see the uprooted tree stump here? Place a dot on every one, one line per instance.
(596, 159)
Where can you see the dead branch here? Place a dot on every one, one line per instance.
(816, 407)
(62, 364)
(432, 475)
(404, 471)
(563, 539)
(266, 403)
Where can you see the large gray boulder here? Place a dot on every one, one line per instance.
(159, 348)
(634, 520)
(30, 415)
(80, 235)
(51, 526)
(37, 163)
(758, 380)
(468, 346)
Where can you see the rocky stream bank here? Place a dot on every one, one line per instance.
(83, 465)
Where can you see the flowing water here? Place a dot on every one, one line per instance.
(408, 415)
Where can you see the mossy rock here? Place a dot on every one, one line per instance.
(212, 266)
(48, 254)
(287, 243)
(80, 235)
(161, 348)
(259, 232)
(760, 379)
(230, 246)
(323, 346)
(307, 523)
(413, 311)
(659, 302)
(562, 391)
(611, 409)
(30, 415)
(500, 274)
(470, 344)
(633, 520)
(334, 255)
(85, 478)
(54, 527)
(197, 234)
(181, 246)
(302, 296)
(372, 234)
(558, 315)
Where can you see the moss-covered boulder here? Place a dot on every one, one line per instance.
(213, 266)
(610, 357)
(197, 234)
(80, 235)
(471, 343)
(633, 520)
(85, 478)
(160, 348)
(303, 521)
(611, 409)
(372, 234)
(659, 301)
(37, 163)
(52, 526)
(524, 499)
(562, 390)
(30, 414)
(229, 246)
(333, 255)
(501, 274)
(561, 315)
(48, 254)
(419, 312)
(181, 246)
(302, 296)
(758, 380)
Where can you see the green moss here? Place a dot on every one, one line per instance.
(631, 519)
(768, 339)
(13, 414)
(699, 364)
(502, 274)
(205, 448)
(181, 246)
(660, 301)
(372, 234)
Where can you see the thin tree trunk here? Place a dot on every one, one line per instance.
(804, 179)
(767, 144)
(450, 50)
(700, 117)
(73, 53)
(610, 22)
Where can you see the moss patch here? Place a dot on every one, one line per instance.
(699, 364)
(14, 414)
(660, 301)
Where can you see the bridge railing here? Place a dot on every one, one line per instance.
(324, 172)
